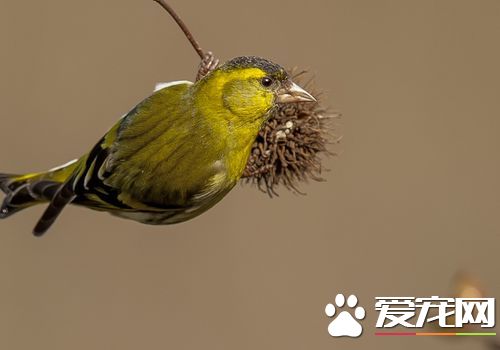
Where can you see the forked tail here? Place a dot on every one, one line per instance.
(23, 191)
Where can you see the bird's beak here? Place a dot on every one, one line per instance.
(293, 93)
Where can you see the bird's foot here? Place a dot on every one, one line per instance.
(207, 64)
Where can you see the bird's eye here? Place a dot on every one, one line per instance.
(266, 82)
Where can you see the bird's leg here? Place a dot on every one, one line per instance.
(207, 64)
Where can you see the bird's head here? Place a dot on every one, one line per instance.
(249, 87)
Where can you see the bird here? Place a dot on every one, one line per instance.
(172, 157)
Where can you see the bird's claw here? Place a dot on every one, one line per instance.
(207, 64)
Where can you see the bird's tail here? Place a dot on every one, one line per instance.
(23, 191)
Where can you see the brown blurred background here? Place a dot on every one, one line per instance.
(412, 199)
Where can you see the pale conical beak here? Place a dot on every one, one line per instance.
(294, 93)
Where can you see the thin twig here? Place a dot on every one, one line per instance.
(183, 27)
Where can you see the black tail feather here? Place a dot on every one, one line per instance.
(15, 201)
(5, 181)
(21, 194)
(62, 197)
(7, 209)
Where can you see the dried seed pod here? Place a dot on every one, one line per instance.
(288, 149)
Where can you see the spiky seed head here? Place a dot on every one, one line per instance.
(289, 147)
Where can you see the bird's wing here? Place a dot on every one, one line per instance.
(88, 185)
(96, 183)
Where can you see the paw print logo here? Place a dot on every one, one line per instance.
(344, 324)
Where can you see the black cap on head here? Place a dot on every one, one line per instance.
(271, 68)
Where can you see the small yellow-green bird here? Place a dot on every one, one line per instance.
(172, 157)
